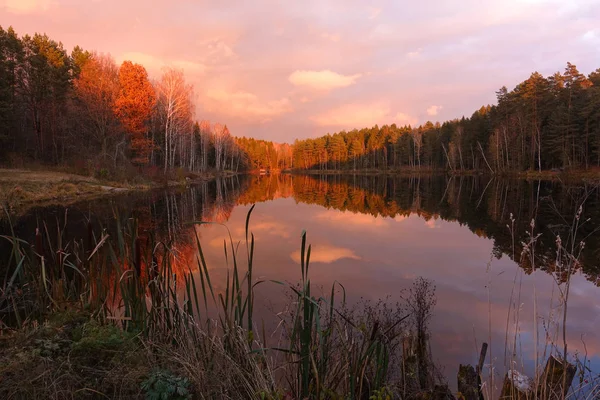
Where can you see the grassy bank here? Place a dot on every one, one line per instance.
(22, 188)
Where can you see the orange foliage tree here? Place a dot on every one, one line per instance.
(96, 90)
(134, 106)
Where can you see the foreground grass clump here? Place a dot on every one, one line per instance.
(72, 356)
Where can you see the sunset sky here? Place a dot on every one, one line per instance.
(285, 69)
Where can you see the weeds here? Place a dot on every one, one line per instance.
(127, 308)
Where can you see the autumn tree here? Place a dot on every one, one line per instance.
(134, 106)
(96, 91)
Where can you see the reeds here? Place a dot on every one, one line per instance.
(328, 349)
(128, 279)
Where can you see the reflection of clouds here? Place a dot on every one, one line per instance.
(218, 241)
(400, 218)
(433, 223)
(396, 252)
(271, 227)
(326, 254)
(349, 218)
(238, 235)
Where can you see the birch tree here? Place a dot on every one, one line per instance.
(175, 104)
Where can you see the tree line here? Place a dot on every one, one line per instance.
(543, 123)
(82, 109)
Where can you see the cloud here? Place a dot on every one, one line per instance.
(426, 53)
(154, 64)
(326, 254)
(414, 54)
(362, 115)
(592, 35)
(353, 115)
(404, 119)
(334, 37)
(322, 80)
(245, 105)
(26, 6)
(433, 110)
(215, 51)
(374, 12)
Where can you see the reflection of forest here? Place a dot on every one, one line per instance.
(484, 205)
(166, 215)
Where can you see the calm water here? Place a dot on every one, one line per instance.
(376, 234)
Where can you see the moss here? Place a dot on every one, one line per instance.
(94, 337)
(72, 353)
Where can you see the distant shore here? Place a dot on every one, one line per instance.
(566, 175)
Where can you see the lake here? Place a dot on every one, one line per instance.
(376, 234)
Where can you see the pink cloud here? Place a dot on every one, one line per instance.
(404, 119)
(241, 56)
(244, 105)
(433, 110)
(322, 80)
(360, 116)
(26, 6)
(154, 64)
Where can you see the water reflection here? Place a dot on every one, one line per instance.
(376, 234)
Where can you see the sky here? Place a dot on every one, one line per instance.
(281, 70)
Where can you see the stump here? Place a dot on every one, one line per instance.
(516, 386)
(469, 378)
(556, 379)
(468, 387)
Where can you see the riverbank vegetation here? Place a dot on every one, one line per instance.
(116, 315)
(111, 317)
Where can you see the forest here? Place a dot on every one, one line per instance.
(544, 123)
(56, 106)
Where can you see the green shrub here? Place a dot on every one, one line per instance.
(102, 173)
(163, 385)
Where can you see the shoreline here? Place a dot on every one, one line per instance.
(22, 189)
(573, 175)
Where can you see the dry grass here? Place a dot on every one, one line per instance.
(20, 189)
(72, 356)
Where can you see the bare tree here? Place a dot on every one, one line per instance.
(175, 103)
(204, 144)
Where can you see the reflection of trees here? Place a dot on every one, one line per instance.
(484, 205)
(164, 215)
